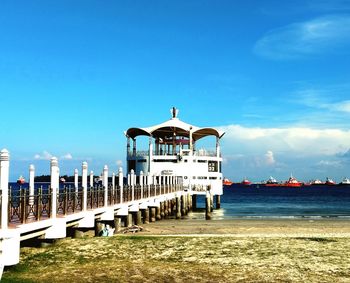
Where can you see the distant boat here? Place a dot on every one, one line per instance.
(246, 182)
(227, 182)
(62, 180)
(292, 182)
(21, 180)
(316, 182)
(345, 181)
(329, 182)
(271, 182)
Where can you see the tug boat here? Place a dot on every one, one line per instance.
(345, 181)
(292, 182)
(316, 182)
(227, 182)
(246, 182)
(329, 182)
(21, 180)
(271, 182)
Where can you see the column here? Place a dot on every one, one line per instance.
(132, 184)
(120, 183)
(141, 183)
(31, 184)
(84, 170)
(76, 180)
(91, 179)
(105, 184)
(55, 175)
(4, 184)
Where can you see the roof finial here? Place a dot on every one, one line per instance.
(174, 112)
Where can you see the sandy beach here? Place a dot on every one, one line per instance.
(251, 227)
(195, 250)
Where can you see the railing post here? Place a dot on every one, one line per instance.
(76, 186)
(105, 184)
(84, 170)
(113, 200)
(24, 206)
(141, 183)
(120, 183)
(149, 182)
(31, 184)
(4, 186)
(91, 179)
(132, 179)
(55, 173)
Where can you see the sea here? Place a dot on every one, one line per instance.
(306, 202)
(256, 201)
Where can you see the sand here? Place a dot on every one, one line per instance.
(251, 227)
(196, 250)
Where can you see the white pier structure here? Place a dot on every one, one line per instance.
(172, 152)
(161, 182)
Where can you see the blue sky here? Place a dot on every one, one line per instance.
(74, 75)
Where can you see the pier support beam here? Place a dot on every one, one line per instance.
(145, 215)
(138, 218)
(178, 207)
(208, 206)
(218, 201)
(153, 214)
(117, 224)
(194, 202)
(129, 221)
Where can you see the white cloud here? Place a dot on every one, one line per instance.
(269, 158)
(325, 97)
(43, 156)
(67, 156)
(318, 36)
(297, 141)
(330, 163)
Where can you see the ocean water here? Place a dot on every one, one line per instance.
(281, 202)
(270, 202)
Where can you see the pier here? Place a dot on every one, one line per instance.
(160, 183)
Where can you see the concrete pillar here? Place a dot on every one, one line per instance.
(153, 214)
(161, 207)
(183, 205)
(166, 212)
(138, 218)
(4, 185)
(129, 219)
(84, 170)
(218, 201)
(178, 207)
(105, 184)
(120, 183)
(117, 224)
(145, 216)
(31, 184)
(91, 179)
(208, 206)
(158, 216)
(132, 179)
(194, 202)
(55, 175)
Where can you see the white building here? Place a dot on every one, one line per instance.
(172, 152)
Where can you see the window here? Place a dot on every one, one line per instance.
(212, 166)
